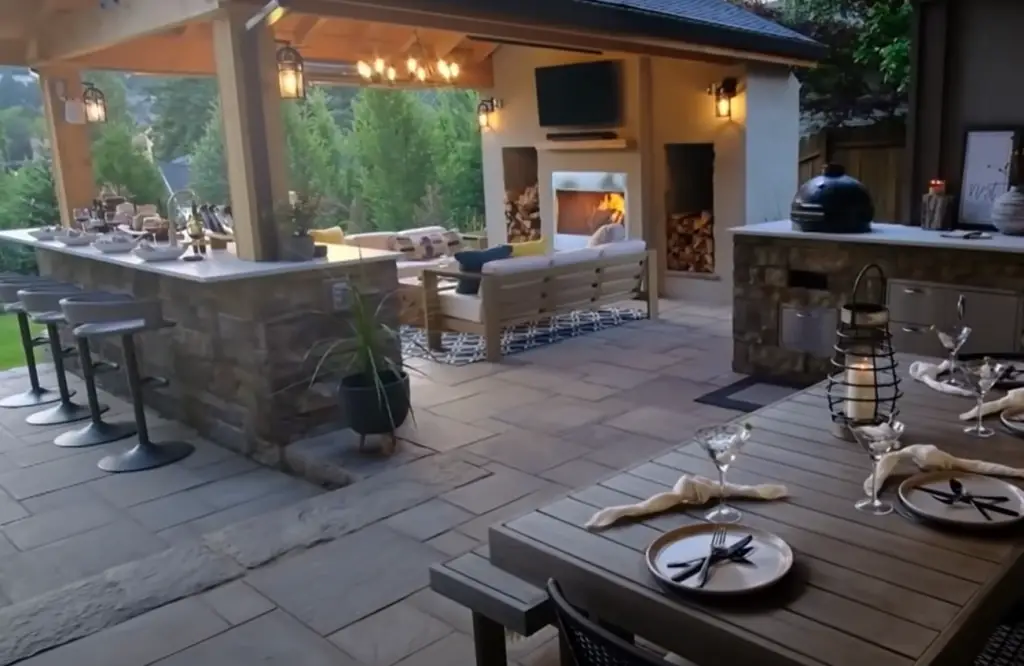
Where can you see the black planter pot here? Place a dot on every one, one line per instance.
(371, 411)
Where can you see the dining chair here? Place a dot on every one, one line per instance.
(592, 645)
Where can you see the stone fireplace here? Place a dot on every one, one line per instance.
(584, 202)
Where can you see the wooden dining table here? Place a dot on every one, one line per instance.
(864, 590)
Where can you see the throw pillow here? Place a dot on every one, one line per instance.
(537, 248)
(404, 245)
(608, 233)
(453, 241)
(429, 245)
(331, 236)
(472, 261)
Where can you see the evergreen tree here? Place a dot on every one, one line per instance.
(182, 108)
(209, 170)
(28, 200)
(118, 160)
(458, 156)
(391, 149)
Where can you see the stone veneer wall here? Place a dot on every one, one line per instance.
(764, 282)
(236, 358)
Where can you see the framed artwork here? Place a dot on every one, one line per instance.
(988, 162)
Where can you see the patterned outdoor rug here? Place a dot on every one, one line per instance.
(749, 394)
(465, 348)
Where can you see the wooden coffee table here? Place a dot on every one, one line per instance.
(410, 300)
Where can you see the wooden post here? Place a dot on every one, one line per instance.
(253, 131)
(69, 144)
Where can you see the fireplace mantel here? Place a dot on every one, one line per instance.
(594, 145)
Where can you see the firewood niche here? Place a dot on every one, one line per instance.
(689, 203)
(522, 202)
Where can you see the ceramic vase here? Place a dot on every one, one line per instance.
(1008, 212)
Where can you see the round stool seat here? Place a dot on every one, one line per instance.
(42, 302)
(97, 317)
(10, 287)
(36, 395)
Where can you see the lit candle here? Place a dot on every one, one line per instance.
(936, 187)
(861, 392)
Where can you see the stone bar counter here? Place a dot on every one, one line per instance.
(237, 356)
(789, 284)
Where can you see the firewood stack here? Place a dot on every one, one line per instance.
(522, 215)
(691, 242)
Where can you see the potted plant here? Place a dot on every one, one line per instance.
(373, 388)
(297, 217)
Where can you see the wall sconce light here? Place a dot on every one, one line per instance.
(94, 103)
(723, 93)
(484, 109)
(291, 73)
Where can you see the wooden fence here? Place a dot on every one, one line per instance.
(872, 154)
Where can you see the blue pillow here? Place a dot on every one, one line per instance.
(472, 261)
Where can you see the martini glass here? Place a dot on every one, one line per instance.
(723, 443)
(953, 338)
(877, 439)
(979, 377)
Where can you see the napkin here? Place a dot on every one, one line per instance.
(928, 373)
(1013, 398)
(928, 458)
(687, 490)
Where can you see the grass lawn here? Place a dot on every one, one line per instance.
(11, 355)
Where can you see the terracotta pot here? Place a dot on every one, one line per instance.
(1008, 212)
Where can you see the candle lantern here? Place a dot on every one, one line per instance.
(863, 386)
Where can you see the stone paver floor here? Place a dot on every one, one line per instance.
(216, 561)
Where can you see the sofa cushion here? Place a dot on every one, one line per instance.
(516, 265)
(376, 240)
(623, 247)
(331, 236)
(429, 245)
(472, 261)
(453, 242)
(468, 307)
(575, 256)
(608, 233)
(537, 248)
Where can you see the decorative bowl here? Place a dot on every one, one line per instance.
(114, 246)
(45, 233)
(72, 238)
(1008, 212)
(159, 252)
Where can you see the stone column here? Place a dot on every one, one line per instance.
(253, 131)
(69, 144)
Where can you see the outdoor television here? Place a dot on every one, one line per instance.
(580, 95)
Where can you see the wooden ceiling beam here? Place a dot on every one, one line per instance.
(305, 28)
(443, 46)
(77, 33)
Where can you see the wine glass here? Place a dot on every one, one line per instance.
(953, 338)
(979, 377)
(722, 443)
(877, 439)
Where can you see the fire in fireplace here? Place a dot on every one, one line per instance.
(585, 202)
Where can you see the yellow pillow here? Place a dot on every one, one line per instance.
(537, 248)
(332, 236)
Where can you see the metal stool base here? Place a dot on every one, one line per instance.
(95, 434)
(65, 412)
(31, 398)
(146, 456)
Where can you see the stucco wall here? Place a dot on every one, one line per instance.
(755, 151)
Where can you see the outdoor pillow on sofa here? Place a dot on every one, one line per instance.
(472, 261)
(331, 236)
(537, 248)
(608, 233)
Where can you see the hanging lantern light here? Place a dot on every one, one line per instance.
(863, 386)
(95, 104)
(291, 75)
(484, 110)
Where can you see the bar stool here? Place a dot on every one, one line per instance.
(42, 303)
(36, 395)
(98, 431)
(125, 319)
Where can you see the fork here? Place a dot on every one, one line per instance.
(717, 541)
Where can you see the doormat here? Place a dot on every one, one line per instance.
(750, 394)
(465, 348)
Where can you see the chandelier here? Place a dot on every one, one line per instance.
(420, 67)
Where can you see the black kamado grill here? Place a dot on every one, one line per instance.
(833, 203)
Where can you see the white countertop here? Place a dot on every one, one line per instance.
(219, 265)
(888, 234)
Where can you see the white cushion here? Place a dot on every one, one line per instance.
(621, 248)
(423, 230)
(377, 240)
(461, 306)
(575, 256)
(409, 269)
(607, 233)
(515, 265)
